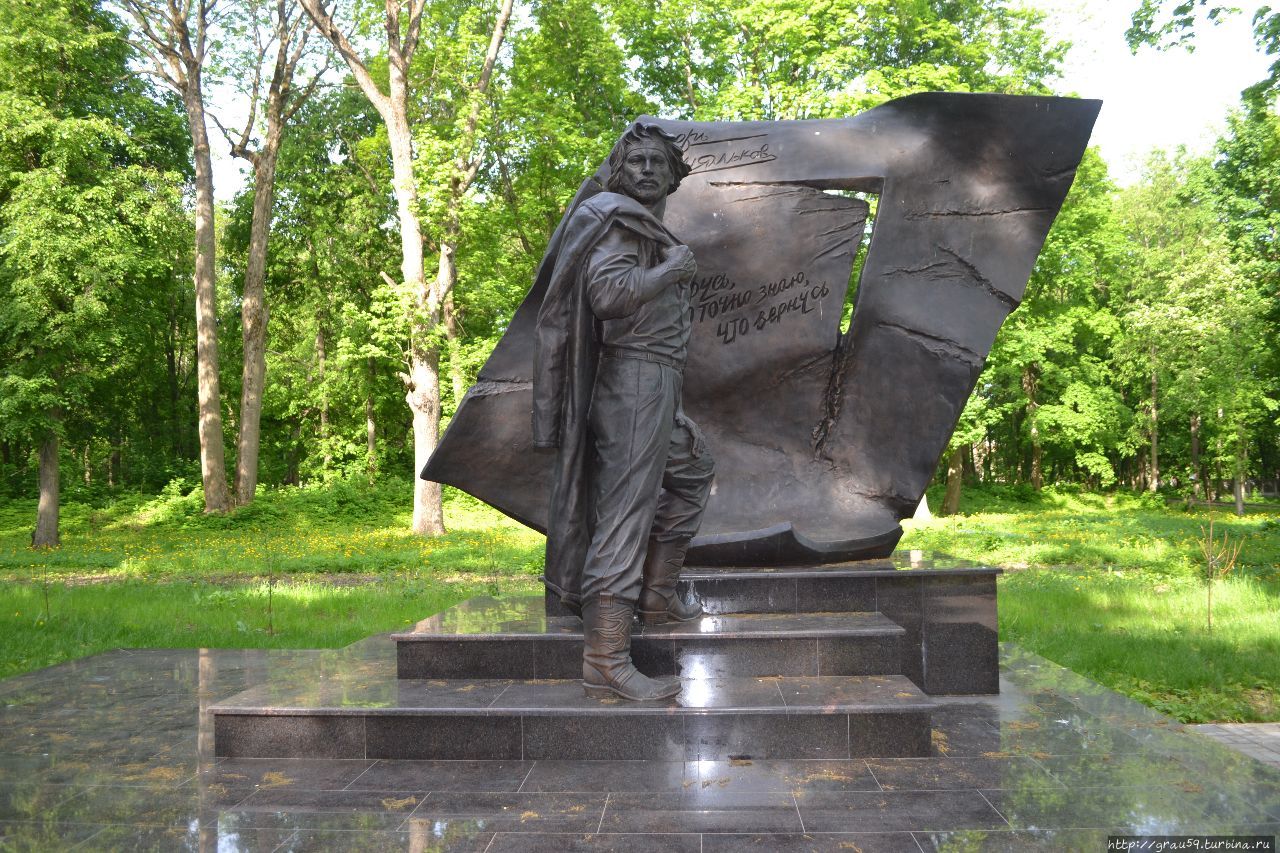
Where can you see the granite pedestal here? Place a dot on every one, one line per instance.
(831, 662)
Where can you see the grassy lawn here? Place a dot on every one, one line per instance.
(1106, 585)
(299, 568)
(1111, 587)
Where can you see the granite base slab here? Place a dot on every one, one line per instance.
(1052, 750)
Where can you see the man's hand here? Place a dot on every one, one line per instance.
(680, 262)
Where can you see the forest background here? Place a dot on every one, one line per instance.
(442, 143)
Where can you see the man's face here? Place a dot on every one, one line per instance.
(646, 174)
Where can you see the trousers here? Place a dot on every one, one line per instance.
(652, 472)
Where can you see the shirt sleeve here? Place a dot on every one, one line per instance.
(617, 281)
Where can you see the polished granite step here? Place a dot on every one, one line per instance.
(945, 606)
(856, 586)
(365, 716)
(514, 638)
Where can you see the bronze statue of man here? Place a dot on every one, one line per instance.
(632, 472)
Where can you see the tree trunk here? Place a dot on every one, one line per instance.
(1154, 483)
(970, 474)
(213, 472)
(171, 366)
(1241, 465)
(321, 369)
(46, 533)
(1196, 474)
(955, 479)
(423, 378)
(453, 335)
(1037, 453)
(370, 425)
(291, 457)
(282, 101)
(253, 323)
(423, 393)
(88, 465)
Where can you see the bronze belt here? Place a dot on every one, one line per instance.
(641, 355)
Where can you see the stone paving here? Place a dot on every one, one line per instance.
(114, 752)
(1256, 740)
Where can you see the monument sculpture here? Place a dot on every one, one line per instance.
(632, 472)
(825, 435)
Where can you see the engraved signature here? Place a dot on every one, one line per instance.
(732, 159)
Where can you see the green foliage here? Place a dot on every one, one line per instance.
(1173, 283)
(763, 59)
(1164, 24)
(91, 223)
(1195, 323)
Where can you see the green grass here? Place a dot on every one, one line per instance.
(88, 619)
(1146, 637)
(1017, 528)
(156, 572)
(1106, 585)
(347, 527)
(1111, 587)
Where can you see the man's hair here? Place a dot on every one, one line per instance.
(654, 135)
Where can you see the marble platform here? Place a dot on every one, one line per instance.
(115, 752)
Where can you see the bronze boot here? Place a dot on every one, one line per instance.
(659, 598)
(607, 669)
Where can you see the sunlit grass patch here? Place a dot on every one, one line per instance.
(91, 618)
(339, 561)
(342, 528)
(1099, 531)
(1111, 587)
(1147, 636)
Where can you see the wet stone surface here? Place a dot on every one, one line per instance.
(115, 752)
(927, 616)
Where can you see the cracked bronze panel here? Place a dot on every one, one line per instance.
(823, 441)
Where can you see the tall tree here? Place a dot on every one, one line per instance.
(176, 37)
(404, 30)
(1247, 176)
(87, 223)
(1195, 325)
(276, 37)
